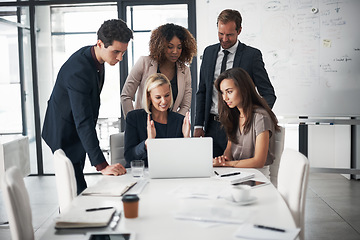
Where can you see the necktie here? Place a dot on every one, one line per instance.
(223, 63)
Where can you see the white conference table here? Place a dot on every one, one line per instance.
(161, 199)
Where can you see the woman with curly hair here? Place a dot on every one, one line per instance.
(172, 48)
(249, 123)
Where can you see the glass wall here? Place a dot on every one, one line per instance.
(27, 85)
(16, 85)
(145, 18)
(10, 100)
(39, 36)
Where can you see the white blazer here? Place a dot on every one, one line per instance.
(142, 69)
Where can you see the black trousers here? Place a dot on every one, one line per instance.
(218, 135)
(79, 175)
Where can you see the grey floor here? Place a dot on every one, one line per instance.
(332, 207)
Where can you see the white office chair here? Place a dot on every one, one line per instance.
(292, 184)
(17, 204)
(117, 148)
(279, 148)
(65, 179)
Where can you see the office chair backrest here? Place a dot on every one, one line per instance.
(292, 184)
(279, 148)
(65, 179)
(17, 204)
(117, 148)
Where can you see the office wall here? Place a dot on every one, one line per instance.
(312, 56)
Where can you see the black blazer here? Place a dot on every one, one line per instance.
(246, 57)
(73, 109)
(136, 133)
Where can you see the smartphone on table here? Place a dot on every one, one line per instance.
(252, 183)
(111, 236)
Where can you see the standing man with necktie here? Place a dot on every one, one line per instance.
(73, 107)
(229, 53)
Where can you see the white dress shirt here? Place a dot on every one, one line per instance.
(229, 64)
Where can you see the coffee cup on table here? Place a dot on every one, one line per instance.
(130, 205)
(241, 193)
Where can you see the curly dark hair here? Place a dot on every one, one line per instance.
(160, 38)
(229, 117)
(114, 30)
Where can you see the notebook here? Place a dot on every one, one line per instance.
(80, 218)
(180, 157)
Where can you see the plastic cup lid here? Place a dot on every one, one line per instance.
(130, 198)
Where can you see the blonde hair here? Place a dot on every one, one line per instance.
(153, 81)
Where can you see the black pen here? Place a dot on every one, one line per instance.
(98, 209)
(269, 228)
(230, 174)
(216, 173)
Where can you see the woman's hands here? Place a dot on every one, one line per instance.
(225, 160)
(258, 161)
(151, 131)
(221, 161)
(186, 127)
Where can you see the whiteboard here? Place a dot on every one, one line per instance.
(311, 50)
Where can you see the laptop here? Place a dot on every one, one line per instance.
(180, 157)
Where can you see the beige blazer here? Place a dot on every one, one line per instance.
(142, 69)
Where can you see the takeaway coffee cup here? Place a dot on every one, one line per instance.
(131, 205)
(241, 193)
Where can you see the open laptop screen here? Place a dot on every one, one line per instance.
(180, 157)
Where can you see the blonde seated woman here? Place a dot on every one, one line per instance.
(248, 121)
(156, 120)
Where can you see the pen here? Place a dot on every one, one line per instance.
(216, 173)
(269, 228)
(98, 209)
(230, 174)
(128, 188)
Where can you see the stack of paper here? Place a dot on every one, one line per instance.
(83, 219)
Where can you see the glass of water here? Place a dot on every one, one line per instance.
(137, 168)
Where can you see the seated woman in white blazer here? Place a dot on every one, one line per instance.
(172, 48)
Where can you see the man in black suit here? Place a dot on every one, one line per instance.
(230, 52)
(73, 107)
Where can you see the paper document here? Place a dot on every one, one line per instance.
(198, 191)
(249, 231)
(79, 218)
(216, 214)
